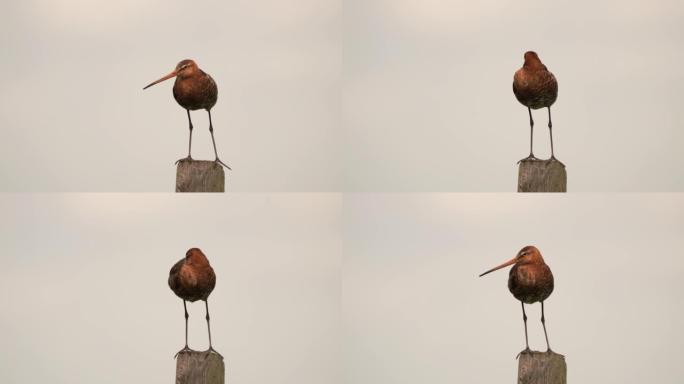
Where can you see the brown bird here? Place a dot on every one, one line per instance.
(535, 87)
(192, 279)
(530, 280)
(194, 89)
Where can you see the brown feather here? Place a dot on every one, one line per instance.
(533, 85)
(192, 278)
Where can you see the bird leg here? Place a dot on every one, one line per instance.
(211, 349)
(527, 345)
(551, 136)
(185, 349)
(531, 156)
(211, 130)
(548, 347)
(189, 158)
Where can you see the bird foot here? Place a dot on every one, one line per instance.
(531, 157)
(186, 349)
(210, 350)
(184, 159)
(523, 352)
(222, 163)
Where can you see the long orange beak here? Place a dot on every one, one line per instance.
(170, 75)
(506, 264)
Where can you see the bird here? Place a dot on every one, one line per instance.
(193, 89)
(530, 281)
(192, 278)
(535, 87)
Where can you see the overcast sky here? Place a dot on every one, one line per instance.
(84, 295)
(428, 103)
(330, 95)
(415, 310)
(74, 116)
(331, 289)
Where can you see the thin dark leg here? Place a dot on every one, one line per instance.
(211, 130)
(551, 132)
(551, 136)
(189, 141)
(185, 307)
(527, 345)
(531, 156)
(186, 348)
(206, 303)
(548, 347)
(189, 158)
(531, 130)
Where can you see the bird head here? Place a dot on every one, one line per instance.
(185, 68)
(532, 60)
(528, 255)
(195, 255)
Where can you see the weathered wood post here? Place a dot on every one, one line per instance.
(196, 367)
(542, 176)
(200, 176)
(542, 368)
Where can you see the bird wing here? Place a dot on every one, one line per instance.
(212, 281)
(173, 275)
(551, 81)
(549, 278)
(211, 89)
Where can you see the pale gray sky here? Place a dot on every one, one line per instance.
(330, 95)
(428, 104)
(75, 118)
(325, 288)
(84, 296)
(415, 310)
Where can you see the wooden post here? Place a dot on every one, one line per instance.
(199, 176)
(542, 176)
(196, 367)
(542, 368)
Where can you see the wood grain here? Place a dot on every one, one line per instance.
(200, 176)
(542, 368)
(196, 367)
(542, 176)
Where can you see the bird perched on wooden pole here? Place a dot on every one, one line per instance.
(192, 279)
(530, 281)
(535, 87)
(194, 89)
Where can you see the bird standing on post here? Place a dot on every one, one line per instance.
(192, 279)
(535, 87)
(530, 281)
(194, 89)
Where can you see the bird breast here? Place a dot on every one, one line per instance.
(535, 88)
(195, 92)
(192, 282)
(530, 283)
(188, 277)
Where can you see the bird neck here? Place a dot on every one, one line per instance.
(528, 263)
(198, 258)
(188, 74)
(533, 65)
